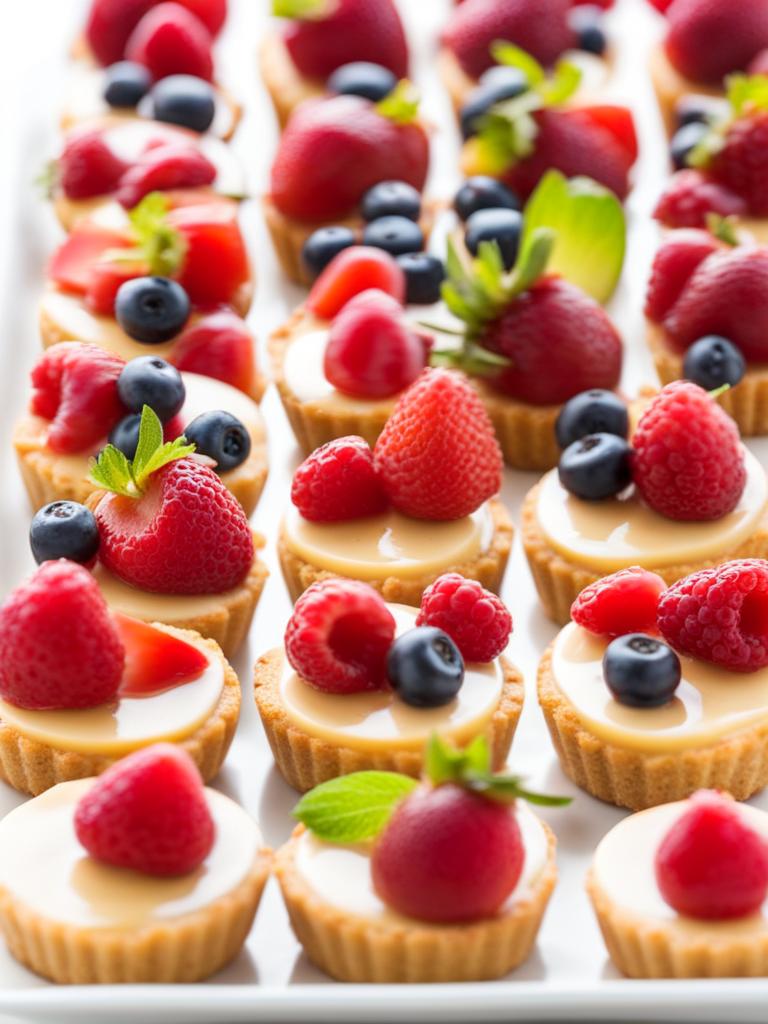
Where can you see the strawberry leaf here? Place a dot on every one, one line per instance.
(723, 228)
(300, 8)
(47, 179)
(747, 94)
(515, 57)
(563, 83)
(162, 247)
(353, 808)
(402, 104)
(112, 471)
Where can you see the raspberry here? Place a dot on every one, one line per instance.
(59, 647)
(742, 164)
(338, 481)
(688, 461)
(88, 167)
(627, 601)
(170, 40)
(711, 865)
(474, 618)
(437, 456)
(338, 636)
(149, 813)
(169, 166)
(690, 196)
(673, 265)
(720, 615)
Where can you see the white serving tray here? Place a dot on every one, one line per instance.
(569, 975)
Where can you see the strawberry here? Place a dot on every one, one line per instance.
(148, 813)
(338, 482)
(75, 387)
(87, 166)
(334, 149)
(169, 165)
(72, 263)
(708, 39)
(59, 647)
(109, 24)
(212, 13)
(674, 263)
(215, 264)
(626, 601)
(759, 63)
(218, 345)
(741, 164)
(690, 196)
(340, 32)
(355, 270)
(619, 122)
(104, 282)
(154, 659)
(170, 40)
(437, 456)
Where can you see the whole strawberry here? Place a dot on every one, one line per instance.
(708, 39)
(675, 261)
(742, 162)
(688, 461)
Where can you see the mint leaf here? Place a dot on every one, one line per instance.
(508, 788)
(353, 808)
(747, 93)
(150, 439)
(515, 57)
(723, 228)
(47, 179)
(300, 8)
(563, 83)
(112, 471)
(402, 104)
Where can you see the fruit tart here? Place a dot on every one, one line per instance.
(349, 47)
(650, 692)
(83, 396)
(422, 503)
(361, 684)
(82, 686)
(387, 879)
(141, 875)
(682, 494)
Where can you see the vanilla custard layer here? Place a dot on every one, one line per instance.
(44, 867)
(340, 876)
(379, 720)
(151, 607)
(619, 532)
(128, 723)
(623, 868)
(709, 705)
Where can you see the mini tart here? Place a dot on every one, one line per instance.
(39, 749)
(378, 945)
(670, 86)
(597, 538)
(50, 477)
(286, 86)
(74, 920)
(316, 736)
(645, 937)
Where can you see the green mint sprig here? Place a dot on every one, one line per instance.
(308, 9)
(158, 244)
(402, 104)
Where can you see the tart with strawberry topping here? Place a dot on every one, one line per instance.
(140, 875)
(382, 866)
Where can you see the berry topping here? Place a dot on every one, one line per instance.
(688, 461)
(483, 193)
(72, 263)
(87, 166)
(372, 352)
(109, 24)
(395, 235)
(148, 813)
(184, 100)
(175, 165)
(221, 436)
(218, 345)
(587, 24)
(641, 671)
(592, 412)
(64, 529)
(212, 13)
(711, 865)
(707, 39)
(170, 40)
(705, 109)
(740, 160)
(474, 618)
(323, 244)
(684, 142)
(338, 637)
(627, 601)
(125, 435)
(152, 309)
(720, 615)
(424, 276)
(500, 225)
(59, 647)
(338, 482)
(125, 84)
(151, 381)
(437, 456)
(362, 78)
(596, 467)
(425, 667)
(391, 199)
(496, 85)
(712, 362)
(155, 660)
(673, 266)
(690, 196)
(352, 271)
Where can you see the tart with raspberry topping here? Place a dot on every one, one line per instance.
(361, 683)
(141, 875)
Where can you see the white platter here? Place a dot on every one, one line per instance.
(569, 976)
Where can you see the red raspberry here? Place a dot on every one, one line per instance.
(673, 265)
(88, 167)
(742, 164)
(59, 647)
(218, 345)
(474, 618)
(711, 865)
(149, 813)
(338, 636)
(109, 24)
(170, 40)
(690, 196)
(168, 166)
(627, 601)
(75, 387)
(437, 456)
(187, 534)
(355, 270)
(688, 461)
(720, 615)
(338, 482)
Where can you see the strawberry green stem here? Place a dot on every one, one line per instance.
(309, 9)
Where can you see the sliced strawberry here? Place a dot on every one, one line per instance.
(353, 271)
(154, 660)
(619, 122)
(218, 345)
(169, 165)
(72, 263)
(216, 262)
(109, 24)
(104, 281)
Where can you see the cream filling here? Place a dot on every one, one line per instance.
(151, 607)
(624, 531)
(623, 868)
(44, 867)
(340, 876)
(379, 720)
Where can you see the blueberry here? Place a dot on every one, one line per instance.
(713, 361)
(391, 198)
(64, 529)
(425, 667)
(395, 235)
(221, 436)
(684, 140)
(586, 22)
(323, 244)
(126, 83)
(125, 435)
(704, 109)
(362, 78)
(151, 381)
(495, 225)
(151, 309)
(483, 193)
(591, 412)
(424, 274)
(596, 467)
(502, 76)
(641, 671)
(504, 85)
(184, 100)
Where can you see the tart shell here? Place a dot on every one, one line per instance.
(287, 88)
(670, 86)
(456, 82)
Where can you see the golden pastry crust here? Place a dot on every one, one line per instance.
(357, 950)
(31, 766)
(525, 432)
(670, 86)
(737, 764)
(559, 581)
(456, 82)
(305, 761)
(287, 88)
(488, 567)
